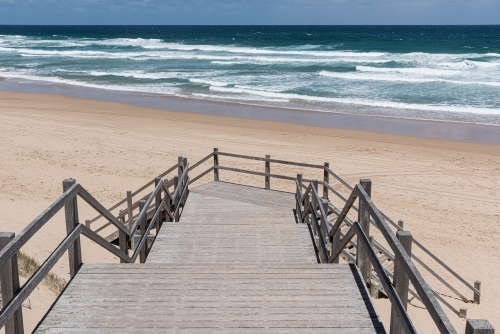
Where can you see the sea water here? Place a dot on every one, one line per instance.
(423, 72)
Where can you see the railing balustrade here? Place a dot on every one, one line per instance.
(162, 204)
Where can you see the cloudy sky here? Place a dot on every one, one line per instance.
(249, 12)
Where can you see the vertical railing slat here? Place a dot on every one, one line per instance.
(168, 201)
(158, 204)
(267, 178)
(142, 251)
(123, 239)
(216, 164)
(71, 214)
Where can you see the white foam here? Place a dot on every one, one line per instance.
(269, 51)
(234, 98)
(363, 102)
(395, 78)
(418, 71)
(210, 82)
(135, 74)
(163, 89)
(250, 94)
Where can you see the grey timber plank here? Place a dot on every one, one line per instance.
(177, 299)
(224, 222)
(236, 262)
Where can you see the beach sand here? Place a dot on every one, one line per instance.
(446, 192)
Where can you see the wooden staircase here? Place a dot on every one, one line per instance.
(236, 262)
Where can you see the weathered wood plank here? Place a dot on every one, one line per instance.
(224, 298)
(236, 262)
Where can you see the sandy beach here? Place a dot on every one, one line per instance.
(446, 192)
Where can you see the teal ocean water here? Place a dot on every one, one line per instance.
(426, 72)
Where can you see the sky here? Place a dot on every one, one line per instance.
(249, 12)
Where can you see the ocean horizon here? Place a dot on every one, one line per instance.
(448, 73)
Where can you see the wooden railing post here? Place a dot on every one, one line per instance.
(142, 251)
(186, 180)
(401, 224)
(158, 204)
(401, 281)
(314, 203)
(477, 297)
(122, 237)
(180, 165)
(374, 286)
(130, 213)
(267, 178)
(335, 242)
(362, 259)
(326, 180)
(168, 202)
(177, 198)
(9, 279)
(298, 192)
(307, 204)
(216, 164)
(71, 213)
(325, 223)
(479, 326)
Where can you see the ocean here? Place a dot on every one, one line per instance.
(449, 73)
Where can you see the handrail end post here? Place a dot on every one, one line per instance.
(477, 296)
(10, 285)
(326, 180)
(362, 258)
(71, 215)
(180, 165)
(479, 326)
(401, 281)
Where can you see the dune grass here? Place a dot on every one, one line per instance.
(28, 266)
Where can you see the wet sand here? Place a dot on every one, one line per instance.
(446, 191)
(357, 120)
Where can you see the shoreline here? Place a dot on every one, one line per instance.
(428, 129)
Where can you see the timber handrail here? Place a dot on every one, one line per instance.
(327, 187)
(400, 309)
(418, 244)
(16, 302)
(71, 242)
(201, 161)
(310, 207)
(424, 291)
(376, 245)
(356, 229)
(138, 191)
(10, 250)
(423, 248)
(306, 193)
(283, 162)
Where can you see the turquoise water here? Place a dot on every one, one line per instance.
(431, 72)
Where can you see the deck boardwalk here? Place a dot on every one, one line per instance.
(224, 222)
(237, 262)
